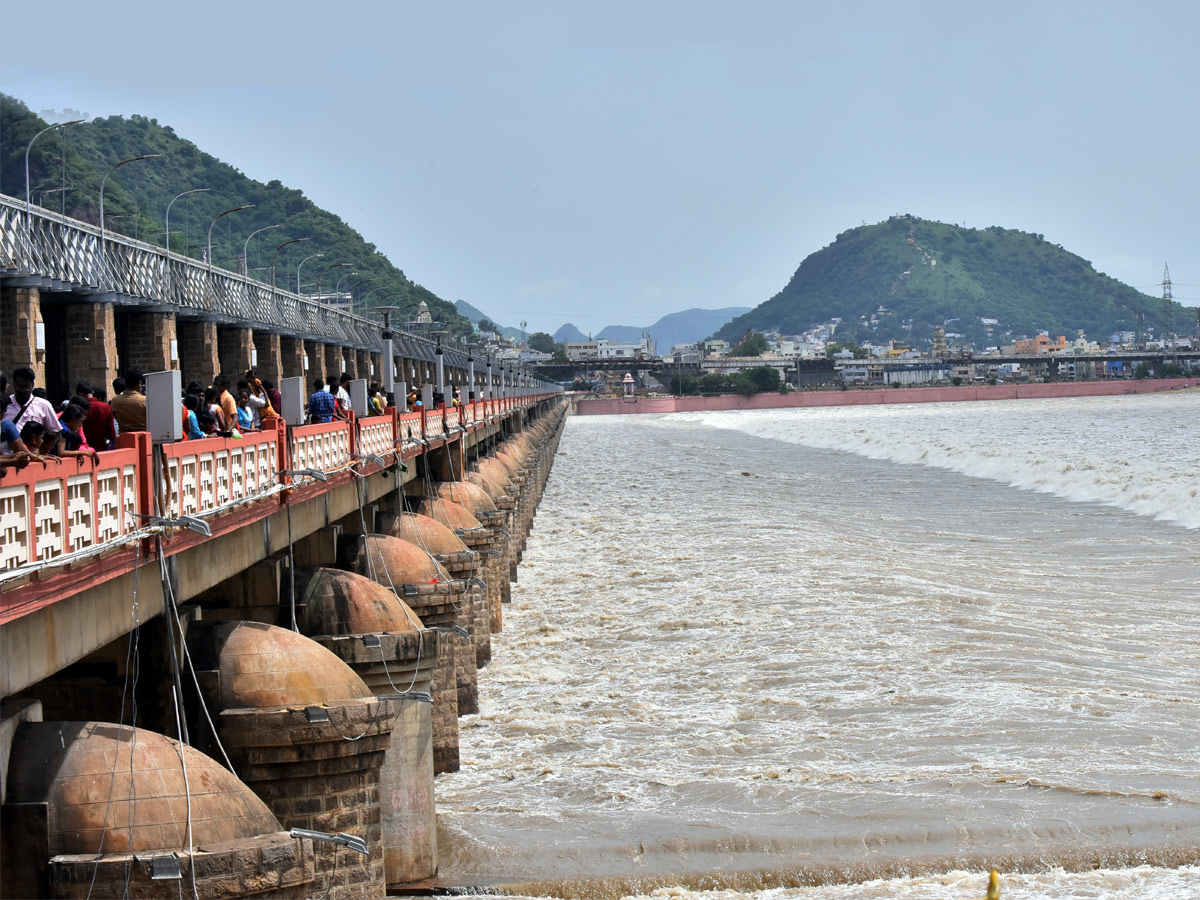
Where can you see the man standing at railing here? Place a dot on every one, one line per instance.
(129, 407)
(321, 406)
(228, 403)
(23, 407)
(343, 393)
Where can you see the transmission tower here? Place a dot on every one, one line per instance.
(1168, 313)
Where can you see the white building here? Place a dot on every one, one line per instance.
(604, 349)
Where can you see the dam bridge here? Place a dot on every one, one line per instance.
(233, 667)
(81, 304)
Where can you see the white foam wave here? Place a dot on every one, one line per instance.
(1091, 450)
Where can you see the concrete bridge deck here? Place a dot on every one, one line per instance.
(78, 537)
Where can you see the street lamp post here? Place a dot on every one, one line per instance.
(167, 241)
(323, 271)
(367, 295)
(103, 180)
(389, 360)
(337, 288)
(28, 205)
(299, 267)
(214, 222)
(275, 256)
(57, 190)
(246, 247)
(355, 288)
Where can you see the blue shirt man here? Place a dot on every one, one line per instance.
(320, 404)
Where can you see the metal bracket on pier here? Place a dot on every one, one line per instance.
(350, 841)
(163, 867)
(452, 629)
(190, 522)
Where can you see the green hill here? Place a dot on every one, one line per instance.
(901, 278)
(136, 198)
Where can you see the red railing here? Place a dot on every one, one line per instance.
(66, 506)
(89, 517)
(201, 476)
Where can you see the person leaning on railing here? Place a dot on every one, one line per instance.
(191, 425)
(75, 442)
(23, 407)
(260, 399)
(13, 452)
(245, 415)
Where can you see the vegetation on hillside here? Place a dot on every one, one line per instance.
(755, 344)
(901, 278)
(136, 197)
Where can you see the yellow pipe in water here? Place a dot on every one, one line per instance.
(993, 891)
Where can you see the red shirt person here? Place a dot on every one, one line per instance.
(99, 426)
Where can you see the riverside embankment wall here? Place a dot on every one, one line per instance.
(870, 396)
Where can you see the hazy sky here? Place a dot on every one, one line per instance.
(611, 162)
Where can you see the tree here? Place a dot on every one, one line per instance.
(559, 356)
(754, 345)
(764, 378)
(486, 324)
(541, 342)
(684, 384)
(744, 384)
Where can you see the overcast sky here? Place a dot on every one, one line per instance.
(611, 162)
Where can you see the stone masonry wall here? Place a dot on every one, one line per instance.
(20, 313)
(197, 350)
(148, 341)
(92, 339)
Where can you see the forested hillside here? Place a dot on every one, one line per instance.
(901, 278)
(136, 196)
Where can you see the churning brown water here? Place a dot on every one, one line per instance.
(842, 653)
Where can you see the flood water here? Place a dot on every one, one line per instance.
(849, 652)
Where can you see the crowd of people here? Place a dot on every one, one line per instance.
(33, 431)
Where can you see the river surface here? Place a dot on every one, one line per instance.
(849, 652)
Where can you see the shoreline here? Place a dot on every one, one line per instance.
(875, 396)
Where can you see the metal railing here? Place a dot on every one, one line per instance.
(68, 255)
(62, 254)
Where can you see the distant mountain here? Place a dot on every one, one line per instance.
(621, 334)
(474, 315)
(684, 327)
(569, 332)
(690, 325)
(901, 278)
(470, 313)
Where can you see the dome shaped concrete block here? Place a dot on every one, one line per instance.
(468, 495)
(337, 602)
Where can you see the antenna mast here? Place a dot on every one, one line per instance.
(1168, 313)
